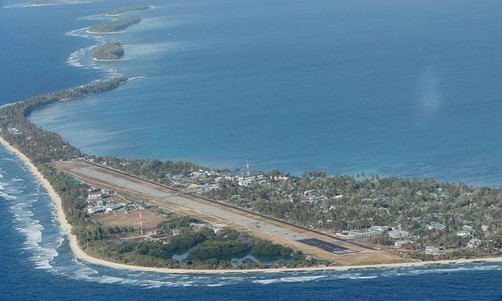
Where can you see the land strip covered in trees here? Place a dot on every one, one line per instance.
(343, 252)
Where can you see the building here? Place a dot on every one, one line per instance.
(401, 242)
(94, 194)
(114, 207)
(367, 232)
(436, 226)
(474, 243)
(96, 209)
(398, 234)
(463, 233)
(380, 229)
(431, 250)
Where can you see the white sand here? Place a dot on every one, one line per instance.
(80, 254)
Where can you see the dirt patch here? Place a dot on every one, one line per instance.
(140, 219)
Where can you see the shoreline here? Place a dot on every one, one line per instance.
(102, 60)
(81, 255)
(103, 32)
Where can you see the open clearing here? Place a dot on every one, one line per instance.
(140, 219)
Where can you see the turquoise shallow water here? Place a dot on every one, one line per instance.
(391, 88)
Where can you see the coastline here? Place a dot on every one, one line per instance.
(103, 32)
(100, 60)
(81, 255)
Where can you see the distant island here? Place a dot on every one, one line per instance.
(108, 52)
(36, 3)
(53, 2)
(114, 26)
(182, 217)
(127, 9)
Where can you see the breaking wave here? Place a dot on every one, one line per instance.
(54, 3)
(44, 245)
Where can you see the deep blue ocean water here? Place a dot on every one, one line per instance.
(406, 88)
(36, 264)
(390, 87)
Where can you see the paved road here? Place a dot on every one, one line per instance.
(326, 246)
(206, 209)
(308, 241)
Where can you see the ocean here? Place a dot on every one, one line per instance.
(401, 88)
(390, 87)
(37, 264)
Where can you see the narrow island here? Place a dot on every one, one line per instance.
(108, 52)
(53, 2)
(113, 26)
(127, 9)
(119, 227)
(178, 216)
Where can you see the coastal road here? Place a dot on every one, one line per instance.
(310, 242)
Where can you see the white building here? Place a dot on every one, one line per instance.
(431, 250)
(398, 234)
(401, 242)
(96, 209)
(463, 233)
(436, 226)
(94, 195)
(474, 243)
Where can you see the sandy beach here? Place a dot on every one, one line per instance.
(81, 255)
(103, 32)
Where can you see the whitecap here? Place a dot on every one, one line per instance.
(301, 278)
(81, 58)
(266, 281)
(352, 276)
(42, 253)
(134, 78)
(34, 5)
(95, 17)
(8, 159)
(7, 196)
(78, 32)
(75, 58)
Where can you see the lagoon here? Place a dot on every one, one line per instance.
(396, 89)
(423, 100)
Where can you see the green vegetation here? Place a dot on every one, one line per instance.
(43, 146)
(39, 145)
(115, 25)
(127, 9)
(429, 213)
(178, 222)
(109, 52)
(267, 250)
(151, 169)
(207, 248)
(73, 195)
(204, 248)
(219, 250)
(461, 220)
